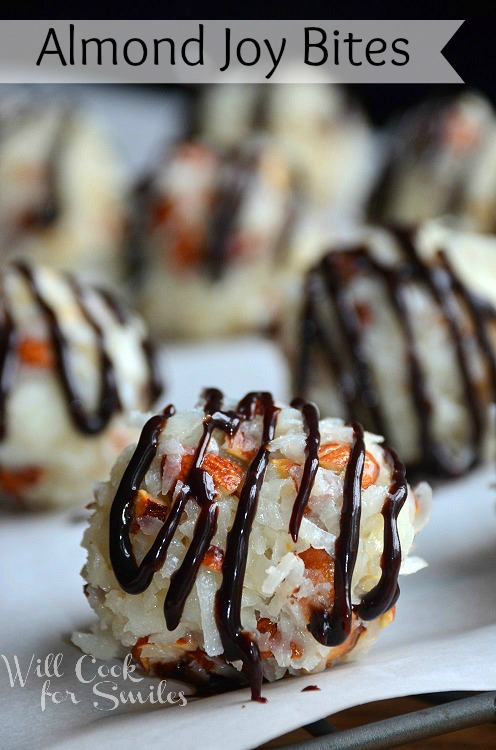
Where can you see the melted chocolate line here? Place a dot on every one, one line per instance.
(432, 453)
(154, 384)
(310, 415)
(239, 644)
(134, 578)
(383, 596)
(7, 356)
(108, 401)
(43, 215)
(200, 485)
(307, 338)
(312, 332)
(450, 295)
(333, 628)
(50, 211)
(480, 314)
(350, 327)
(235, 180)
(183, 579)
(439, 281)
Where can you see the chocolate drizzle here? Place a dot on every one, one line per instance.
(236, 174)
(385, 594)
(108, 402)
(329, 285)
(333, 628)
(328, 627)
(46, 211)
(310, 415)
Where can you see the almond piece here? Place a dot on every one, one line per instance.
(35, 353)
(147, 505)
(335, 456)
(225, 473)
(214, 558)
(15, 481)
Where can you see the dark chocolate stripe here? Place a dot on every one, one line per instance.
(384, 595)
(237, 643)
(310, 415)
(108, 398)
(335, 274)
(333, 628)
(131, 577)
(108, 401)
(7, 351)
(439, 281)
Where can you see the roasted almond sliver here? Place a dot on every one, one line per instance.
(214, 558)
(147, 505)
(15, 481)
(35, 353)
(225, 473)
(335, 456)
(319, 566)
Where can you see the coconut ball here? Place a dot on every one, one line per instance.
(237, 542)
(398, 329)
(62, 200)
(73, 363)
(440, 160)
(214, 229)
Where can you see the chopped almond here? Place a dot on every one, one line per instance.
(16, 481)
(186, 464)
(264, 625)
(146, 505)
(183, 641)
(35, 353)
(319, 566)
(214, 558)
(296, 652)
(283, 466)
(225, 473)
(240, 446)
(335, 456)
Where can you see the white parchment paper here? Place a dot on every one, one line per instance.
(444, 637)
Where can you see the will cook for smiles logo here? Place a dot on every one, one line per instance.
(103, 682)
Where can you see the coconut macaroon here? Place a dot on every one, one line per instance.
(320, 128)
(72, 362)
(62, 197)
(214, 228)
(241, 542)
(397, 330)
(440, 160)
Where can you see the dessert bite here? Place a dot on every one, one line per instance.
(73, 363)
(440, 160)
(398, 330)
(238, 542)
(214, 229)
(62, 201)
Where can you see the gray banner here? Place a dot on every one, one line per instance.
(226, 51)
